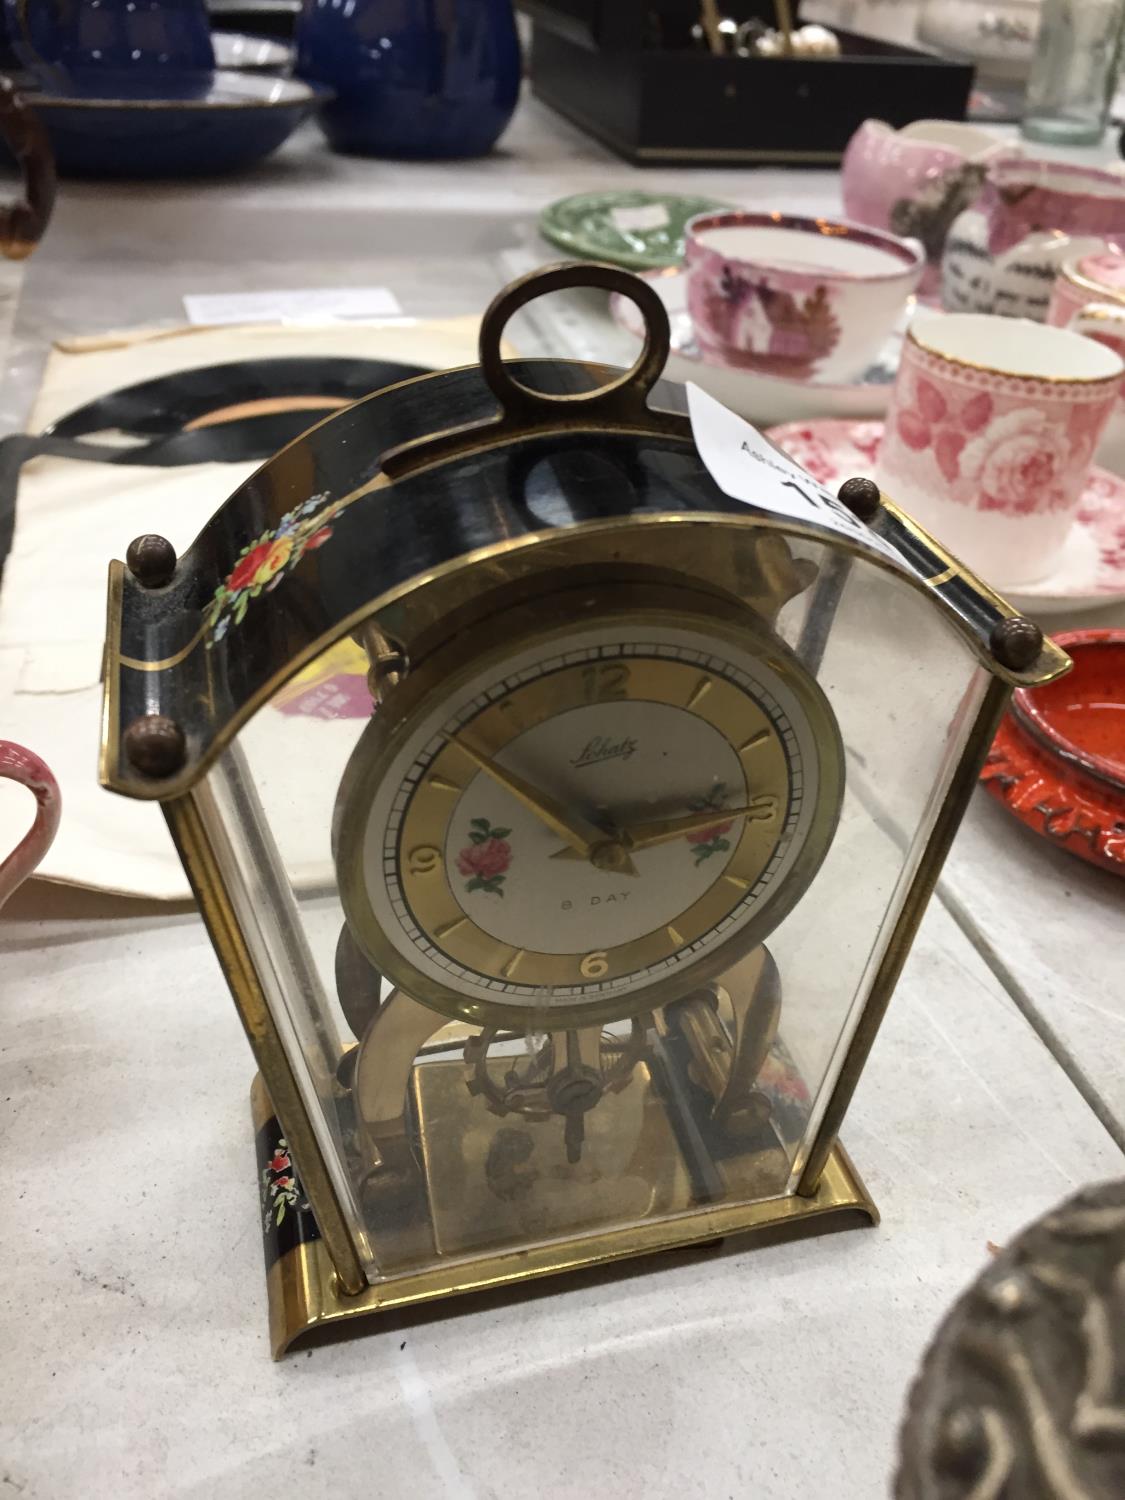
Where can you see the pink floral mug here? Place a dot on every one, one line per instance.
(990, 436)
(25, 767)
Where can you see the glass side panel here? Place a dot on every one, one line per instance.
(904, 695)
(570, 933)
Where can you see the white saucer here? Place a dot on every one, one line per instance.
(1089, 570)
(760, 398)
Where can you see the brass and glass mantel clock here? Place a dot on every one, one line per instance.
(562, 779)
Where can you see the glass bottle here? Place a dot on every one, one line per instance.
(1074, 74)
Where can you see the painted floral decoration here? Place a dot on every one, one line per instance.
(1017, 462)
(280, 1189)
(710, 840)
(263, 564)
(486, 857)
(931, 422)
(1103, 510)
(814, 447)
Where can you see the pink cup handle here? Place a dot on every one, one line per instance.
(18, 764)
(1100, 320)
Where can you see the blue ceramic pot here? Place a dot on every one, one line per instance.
(8, 59)
(115, 49)
(413, 78)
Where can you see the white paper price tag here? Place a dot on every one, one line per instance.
(318, 304)
(643, 216)
(746, 467)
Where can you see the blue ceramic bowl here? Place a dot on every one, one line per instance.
(240, 120)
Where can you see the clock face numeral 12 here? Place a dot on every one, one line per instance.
(605, 682)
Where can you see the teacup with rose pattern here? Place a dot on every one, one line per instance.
(991, 433)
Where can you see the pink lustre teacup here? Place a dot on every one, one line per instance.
(990, 435)
(1089, 297)
(802, 298)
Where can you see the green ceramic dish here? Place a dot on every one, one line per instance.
(641, 231)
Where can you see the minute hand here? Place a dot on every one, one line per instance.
(581, 835)
(645, 835)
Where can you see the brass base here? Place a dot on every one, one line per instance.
(305, 1296)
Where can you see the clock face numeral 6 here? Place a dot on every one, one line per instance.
(423, 859)
(603, 684)
(594, 965)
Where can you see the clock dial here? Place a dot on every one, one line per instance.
(591, 822)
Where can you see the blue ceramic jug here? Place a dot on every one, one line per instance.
(413, 78)
(122, 49)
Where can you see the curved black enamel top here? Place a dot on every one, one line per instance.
(308, 543)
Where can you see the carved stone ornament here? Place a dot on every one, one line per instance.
(1021, 1395)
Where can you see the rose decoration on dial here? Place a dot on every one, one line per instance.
(486, 857)
(711, 840)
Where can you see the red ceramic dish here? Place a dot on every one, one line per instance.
(1058, 760)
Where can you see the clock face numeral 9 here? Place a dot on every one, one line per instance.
(423, 859)
(594, 966)
(601, 684)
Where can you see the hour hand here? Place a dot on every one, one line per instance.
(666, 830)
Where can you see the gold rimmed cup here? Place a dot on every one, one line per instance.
(802, 298)
(991, 433)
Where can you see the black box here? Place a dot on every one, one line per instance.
(663, 106)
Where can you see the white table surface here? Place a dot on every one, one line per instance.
(132, 1315)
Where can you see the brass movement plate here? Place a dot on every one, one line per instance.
(632, 1168)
